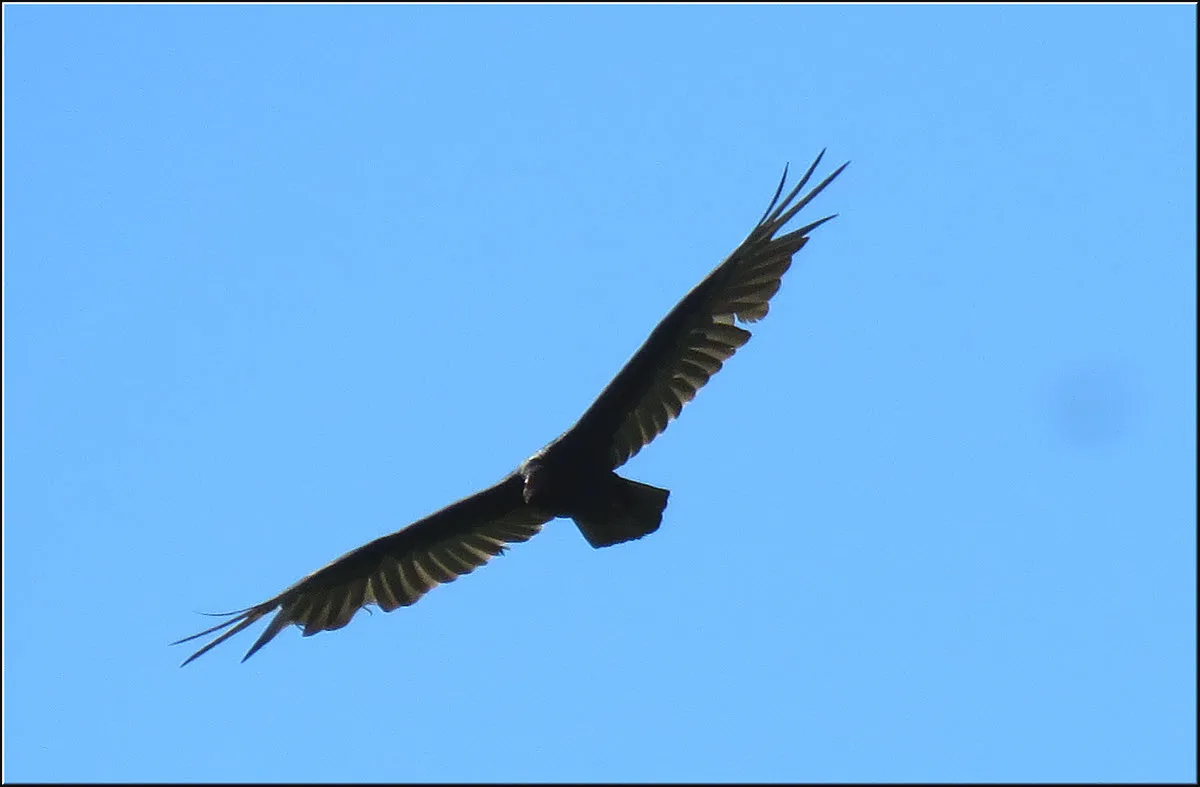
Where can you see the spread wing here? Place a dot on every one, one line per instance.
(396, 570)
(696, 338)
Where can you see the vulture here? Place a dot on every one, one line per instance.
(574, 476)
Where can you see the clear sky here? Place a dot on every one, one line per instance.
(279, 281)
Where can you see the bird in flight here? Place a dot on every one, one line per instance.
(574, 476)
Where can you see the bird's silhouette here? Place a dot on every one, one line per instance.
(575, 475)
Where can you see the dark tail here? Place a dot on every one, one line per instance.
(631, 510)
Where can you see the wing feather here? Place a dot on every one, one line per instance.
(700, 334)
(396, 570)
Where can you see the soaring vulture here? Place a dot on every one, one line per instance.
(574, 476)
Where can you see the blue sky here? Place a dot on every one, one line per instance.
(281, 280)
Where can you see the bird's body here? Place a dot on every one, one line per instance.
(574, 476)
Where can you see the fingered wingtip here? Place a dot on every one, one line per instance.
(235, 624)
